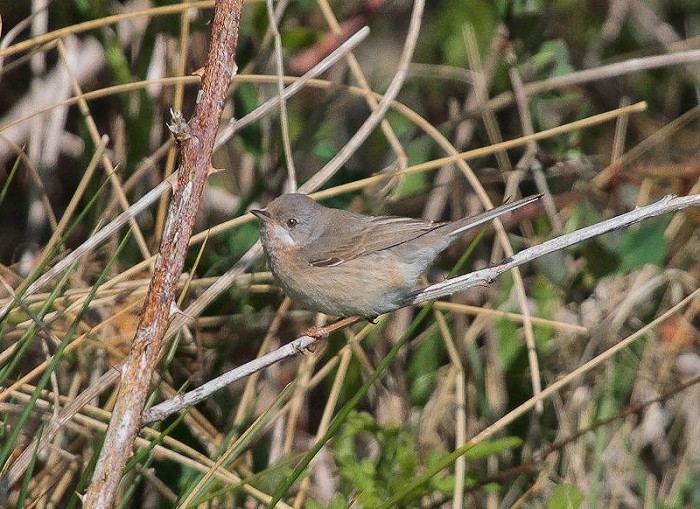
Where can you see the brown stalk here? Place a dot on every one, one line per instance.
(197, 142)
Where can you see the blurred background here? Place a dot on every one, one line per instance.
(86, 90)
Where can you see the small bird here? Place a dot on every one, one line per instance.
(341, 263)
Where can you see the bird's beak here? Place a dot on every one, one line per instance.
(262, 214)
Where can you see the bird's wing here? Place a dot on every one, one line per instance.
(382, 232)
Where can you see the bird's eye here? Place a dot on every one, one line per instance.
(292, 222)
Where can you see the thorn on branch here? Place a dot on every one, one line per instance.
(172, 180)
(178, 126)
(211, 171)
(233, 71)
(301, 350)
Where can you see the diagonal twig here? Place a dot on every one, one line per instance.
(197, 142)
(149, 198)
(482, 277)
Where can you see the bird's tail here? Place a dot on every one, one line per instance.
(473, 221)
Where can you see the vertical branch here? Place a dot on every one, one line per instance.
(197, 141)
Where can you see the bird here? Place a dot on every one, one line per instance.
(344, 264)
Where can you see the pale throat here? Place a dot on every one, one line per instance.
(282, 237)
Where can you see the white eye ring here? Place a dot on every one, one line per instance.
(292, 222)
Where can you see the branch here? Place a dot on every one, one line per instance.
(482, 277)
(488, 275)
(222, 283)
(313, 183)
(182, 401)
(149, 198)
(378, 114)
(630, 66)
(197, 140)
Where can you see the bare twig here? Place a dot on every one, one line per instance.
(482, 277)
(359, 76)
(274, 18)
(378, 114)
(486, 276)
(193, 397)
(197, 138)
(236, 125)
(632, 65)
(149, 198)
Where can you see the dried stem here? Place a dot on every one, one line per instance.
(197, 139)
(147, 200)
(486, 276)
(221, 284)
(632, 65)
(482, 277)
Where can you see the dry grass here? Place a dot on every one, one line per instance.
(573, 380)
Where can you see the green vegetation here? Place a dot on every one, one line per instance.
(427, 407)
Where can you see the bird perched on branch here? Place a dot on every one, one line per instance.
(341, 263)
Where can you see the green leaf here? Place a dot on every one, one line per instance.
(643, 245)
(337, 502)
(294, 39)
(566, 496)
(325, 150)
(483, 450)
(427, 358)
(553, 59)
